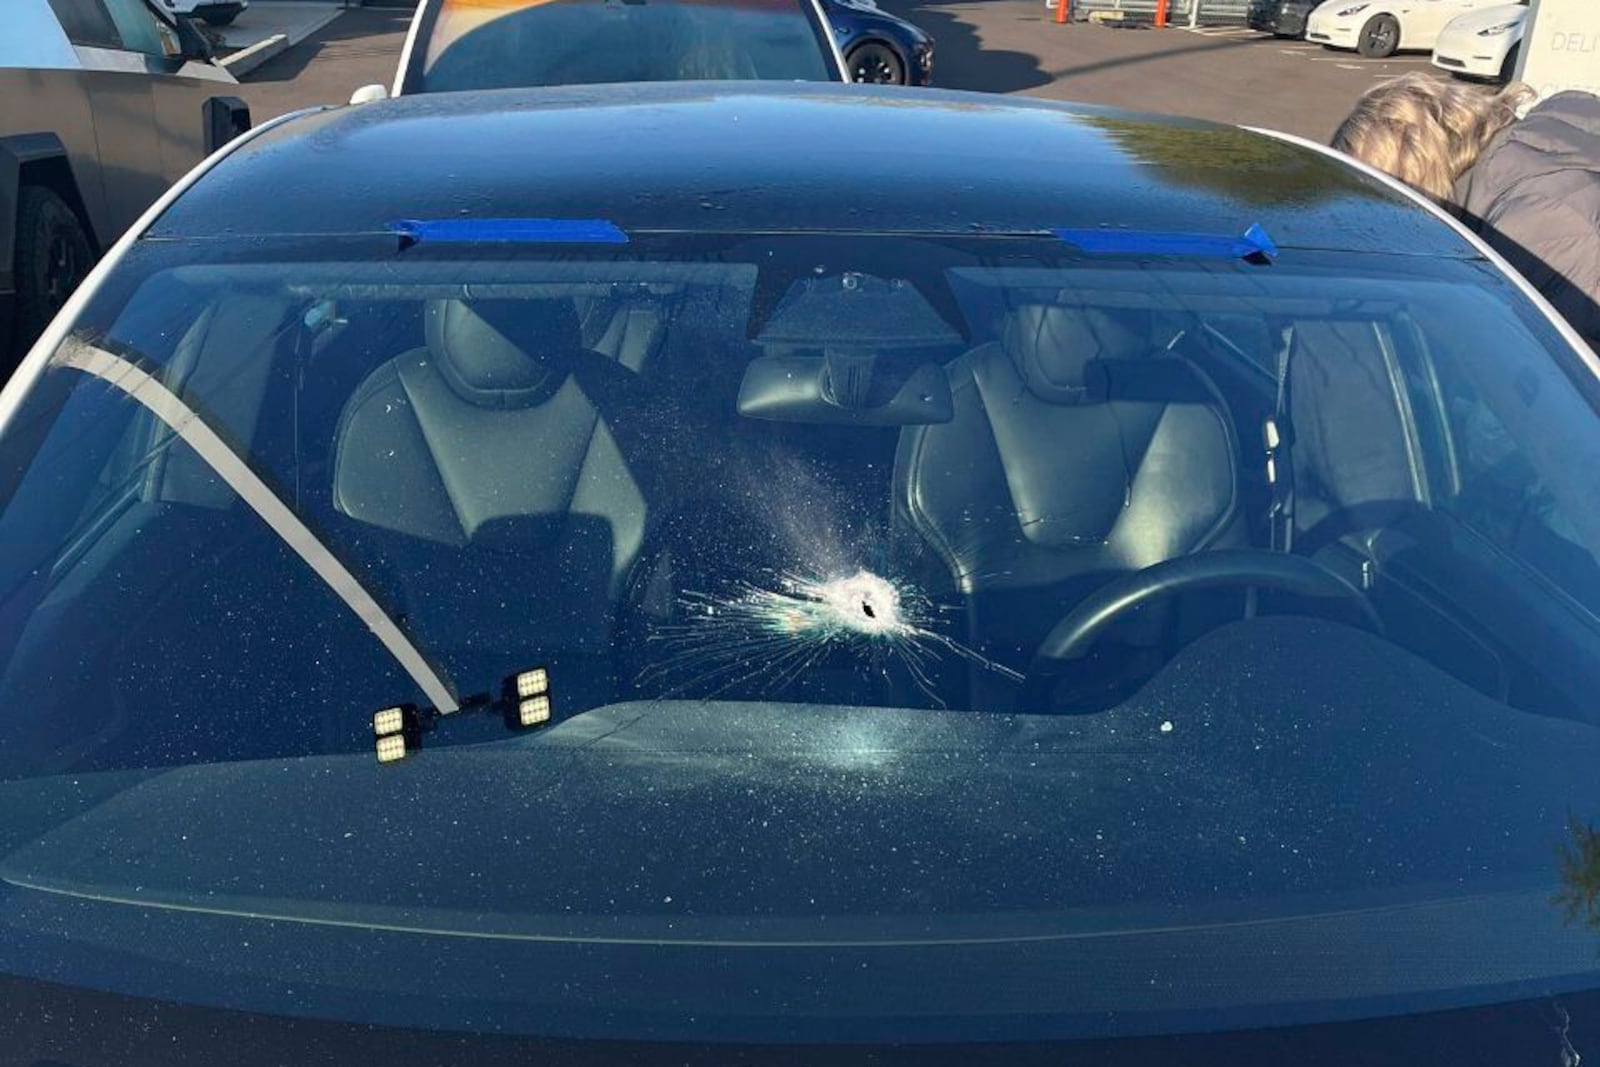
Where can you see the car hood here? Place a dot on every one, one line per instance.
(1329, 14)
(870, 9)
(1502, 14)
(889, 24)
(1257, 816)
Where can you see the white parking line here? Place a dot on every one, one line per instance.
(1225, 31)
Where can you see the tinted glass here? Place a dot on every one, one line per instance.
(579, 42)
(141, 30)
(720, 592)
(87, 23)
(1503, 493)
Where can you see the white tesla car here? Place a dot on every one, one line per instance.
(1380, 28)
(1483, 43)
(212, 12)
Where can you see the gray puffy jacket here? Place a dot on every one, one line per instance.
(1534, 195)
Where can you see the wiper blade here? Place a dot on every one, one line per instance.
(186, 423)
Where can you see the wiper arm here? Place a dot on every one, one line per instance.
(236, 473)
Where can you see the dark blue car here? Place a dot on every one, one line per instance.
(599, 576)
(879, 47)
(1281, 18)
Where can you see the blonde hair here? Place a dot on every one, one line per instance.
(1427, 132)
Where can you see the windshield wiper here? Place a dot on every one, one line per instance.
(217, 454)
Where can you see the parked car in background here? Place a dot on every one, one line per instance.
(1281, 18)
(103, 104)
(593, 576)
(457, 45)
(1484, 43)
(1380, 28)
(213, 12)
(880, 48)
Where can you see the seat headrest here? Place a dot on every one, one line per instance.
(503, 353)
(1053, 347)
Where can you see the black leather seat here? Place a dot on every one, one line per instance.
(490, 453)
(1081, 448)
(488, 424)
(1358, 464)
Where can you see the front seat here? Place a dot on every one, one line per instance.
(1357, 462)
(1080, 448)
(485, 469)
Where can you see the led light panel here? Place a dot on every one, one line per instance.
(532, 683)
(391, 748)
(533, 711)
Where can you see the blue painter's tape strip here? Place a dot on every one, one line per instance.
(528, 231)
(1254, 244)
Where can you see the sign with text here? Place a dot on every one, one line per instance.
(1561, 49)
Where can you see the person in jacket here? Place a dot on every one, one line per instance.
(1530, 187)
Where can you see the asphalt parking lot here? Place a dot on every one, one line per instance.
(359, 48)
(1227, 74)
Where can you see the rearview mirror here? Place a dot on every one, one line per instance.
(844, 391)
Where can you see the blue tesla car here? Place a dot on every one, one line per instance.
(878, 47)
(598, 576)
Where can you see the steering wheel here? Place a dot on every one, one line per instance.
(1250, 568)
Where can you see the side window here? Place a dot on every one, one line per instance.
(87, 23)
(142, 30)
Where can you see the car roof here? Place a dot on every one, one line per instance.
(789, 157)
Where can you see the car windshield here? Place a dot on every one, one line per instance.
(504, 44)
(778, 620)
